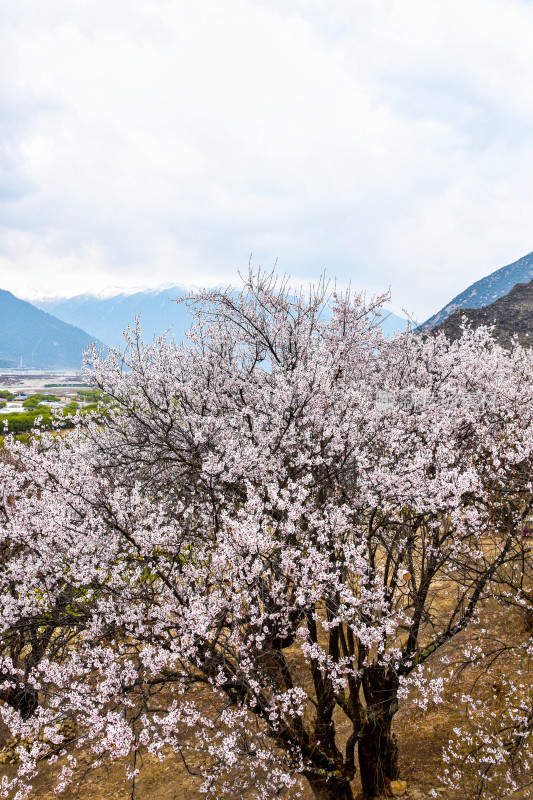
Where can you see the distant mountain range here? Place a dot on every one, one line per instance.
(52, 333)
(485, 291)
(108, 317)
(29, 337)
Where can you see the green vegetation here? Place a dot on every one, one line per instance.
(18, 422)
(33, 400)
(21, 437)
(22, 422)
(64, 385)
(93, 396)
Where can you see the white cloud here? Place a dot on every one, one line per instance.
(147, 141)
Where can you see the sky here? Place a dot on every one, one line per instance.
(388, 143)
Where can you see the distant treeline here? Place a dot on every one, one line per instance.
(22, 422)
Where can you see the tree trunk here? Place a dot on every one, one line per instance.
(24, 699)
(378, 757)
(330, 788)
(378, 751)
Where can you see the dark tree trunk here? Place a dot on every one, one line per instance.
(378, 751)
(378, 757)
(24, 699)
(330, 788)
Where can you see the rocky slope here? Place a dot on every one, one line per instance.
(487, 290)
(511, 315)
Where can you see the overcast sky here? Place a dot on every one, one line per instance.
(388, 142)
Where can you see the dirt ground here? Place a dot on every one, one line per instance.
(421, 735)
(420, 738)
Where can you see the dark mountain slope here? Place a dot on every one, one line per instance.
(33, 338)
(487, 290)
(511, 315)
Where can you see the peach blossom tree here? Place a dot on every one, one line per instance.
(250, 562)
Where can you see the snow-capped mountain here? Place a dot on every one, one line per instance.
(107, 317)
